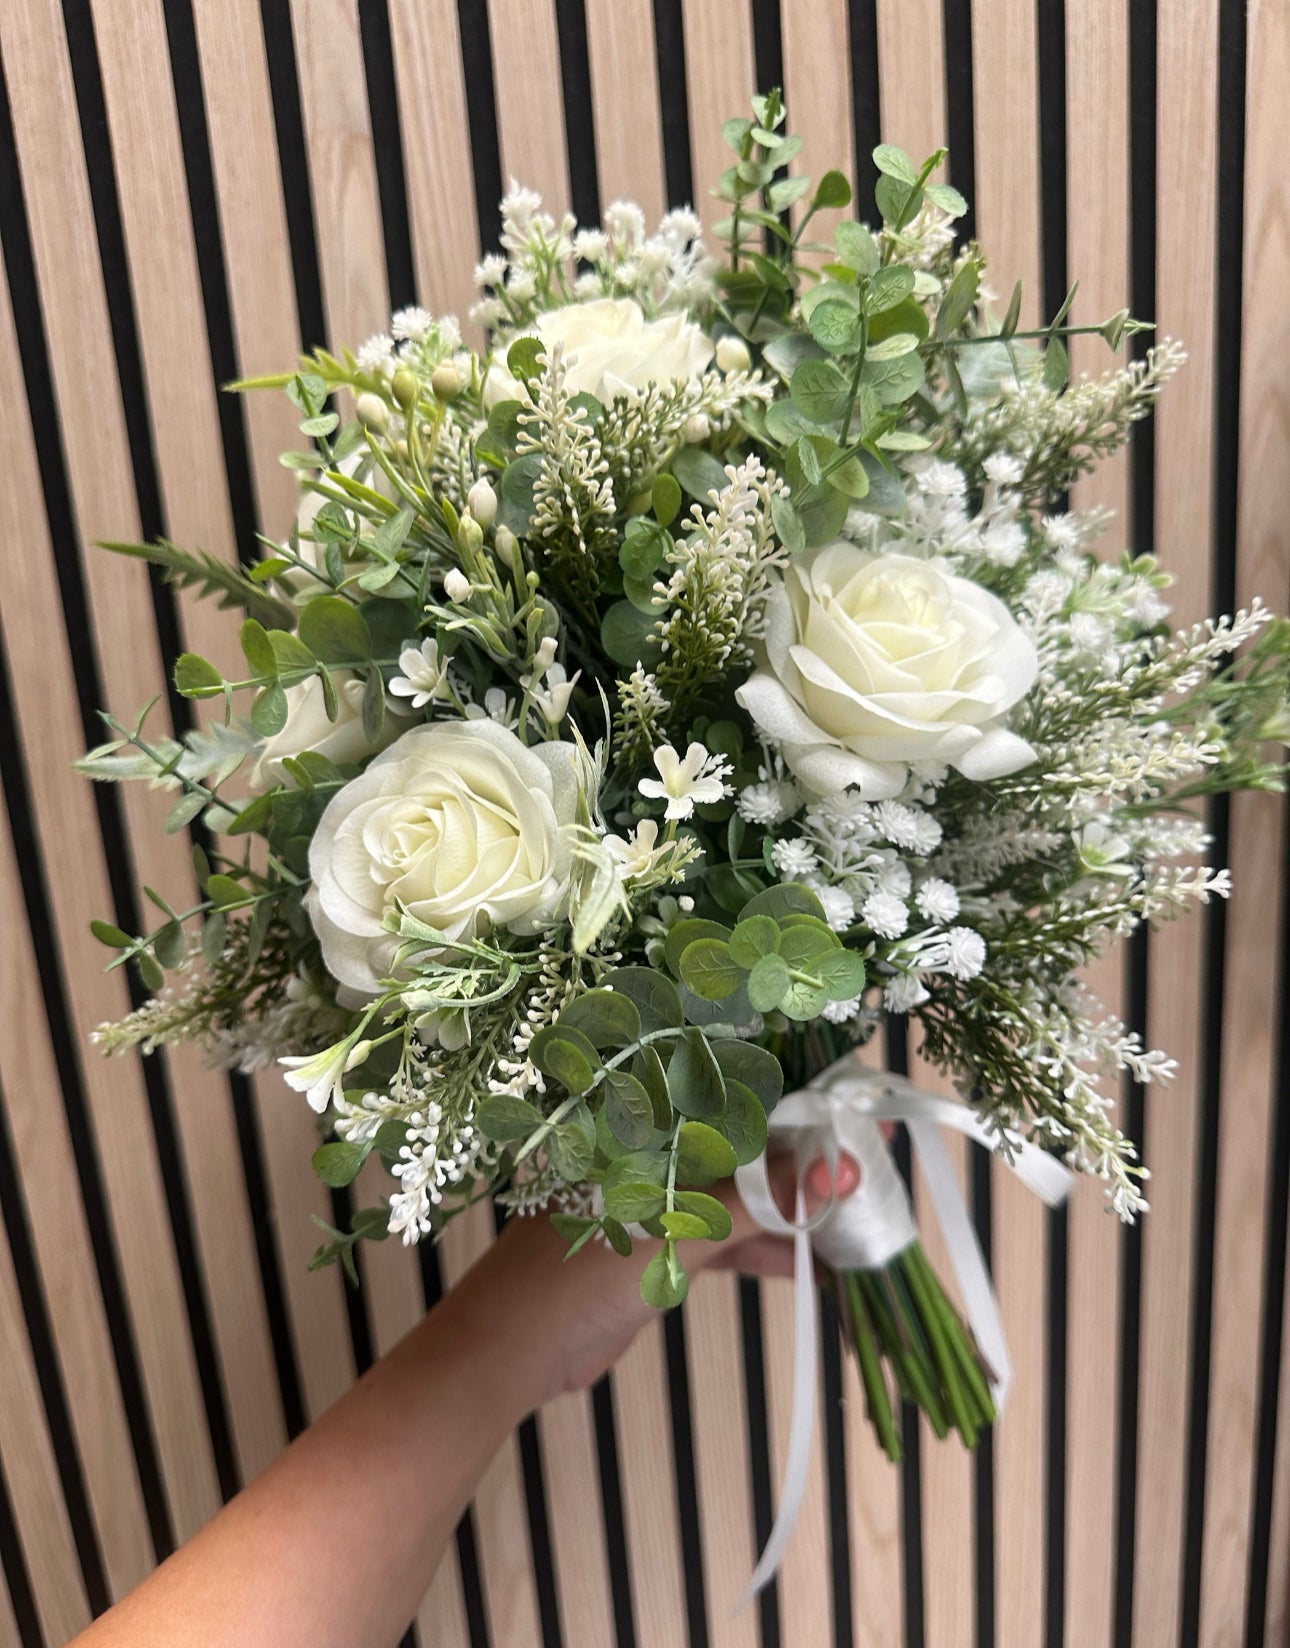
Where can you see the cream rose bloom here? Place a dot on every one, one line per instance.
(307, 728)
(458, 821)
(872, 661)
(610, 349)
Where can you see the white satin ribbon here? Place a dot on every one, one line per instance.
(840, 1111)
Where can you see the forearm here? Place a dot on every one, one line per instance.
(335, 1545)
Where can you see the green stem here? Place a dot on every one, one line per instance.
(875, 1387)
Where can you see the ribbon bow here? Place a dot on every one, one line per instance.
(840, 1110)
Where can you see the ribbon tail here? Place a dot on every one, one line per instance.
(966, 1257)
(806, 1339)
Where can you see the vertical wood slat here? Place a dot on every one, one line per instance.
(90, 410)
(625, 104)
(1007, 216)
(1097, 110)
(526, 75)
(1252, 1084)
(1185, 219)
(436, 147)
(719, 81)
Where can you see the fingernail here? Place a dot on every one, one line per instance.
(841, 1183)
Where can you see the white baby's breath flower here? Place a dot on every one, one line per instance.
(491, 270)
(684, 782)
(794, 859)
(590, 245)
(768, 803)
(908, 827)
(937, 900)
(1002, 468)
(376, 354)
(424, 676)
(410, 325)
(839, 907)
(886, 914)
(965, 955)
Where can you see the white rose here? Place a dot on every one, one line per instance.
(610, 349)
(458, 821)
(871, 661)
(307, 728)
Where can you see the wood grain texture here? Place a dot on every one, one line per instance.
(911, 59)
(624, 101)
(818, 100)
(1252, 1084)
(1097, 221)
(1186, 97)
(436, 151)
(721, 1458)
(1007, 216)
(530, 103)
(720, 79)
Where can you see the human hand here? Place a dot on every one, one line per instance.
(578, 1316)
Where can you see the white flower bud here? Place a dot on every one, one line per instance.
(406, 388)
(732, 354)
(456, 586)
(697, 428)
(482, 501)
(544, 657)
(372, 413)
(508, 547)
(446, 381)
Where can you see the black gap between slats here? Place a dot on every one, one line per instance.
(579, 127)
(17, 1576)
(38, 383)
(190, 102)
(759, 1472)
(960, 127)
(1228, 252)
(1272, 1328)
(1054, 265)
(768, 54)
(669, 50)
(866, 119)
(834, 1420)
(387, 143)
(293, 163)
(688, 1510)
(472, 1587)
(481, 117)
(109, 229)
(1142, 508)
(49, 1373)
(612, 1518)
(911, 1473)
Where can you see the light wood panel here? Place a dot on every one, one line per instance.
(720, 79)
(1007, 219)
(526, 78)
(624, 100)
(1186, 97)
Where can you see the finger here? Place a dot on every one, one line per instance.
(820, 1184)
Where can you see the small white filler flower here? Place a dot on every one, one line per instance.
(424, 675)
(697, 779)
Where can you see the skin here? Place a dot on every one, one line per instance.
(335, 1544)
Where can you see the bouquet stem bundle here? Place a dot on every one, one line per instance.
(908, 1335)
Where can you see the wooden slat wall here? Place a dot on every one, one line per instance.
(295, 171)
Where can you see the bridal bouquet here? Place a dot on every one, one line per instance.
(643, 707)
